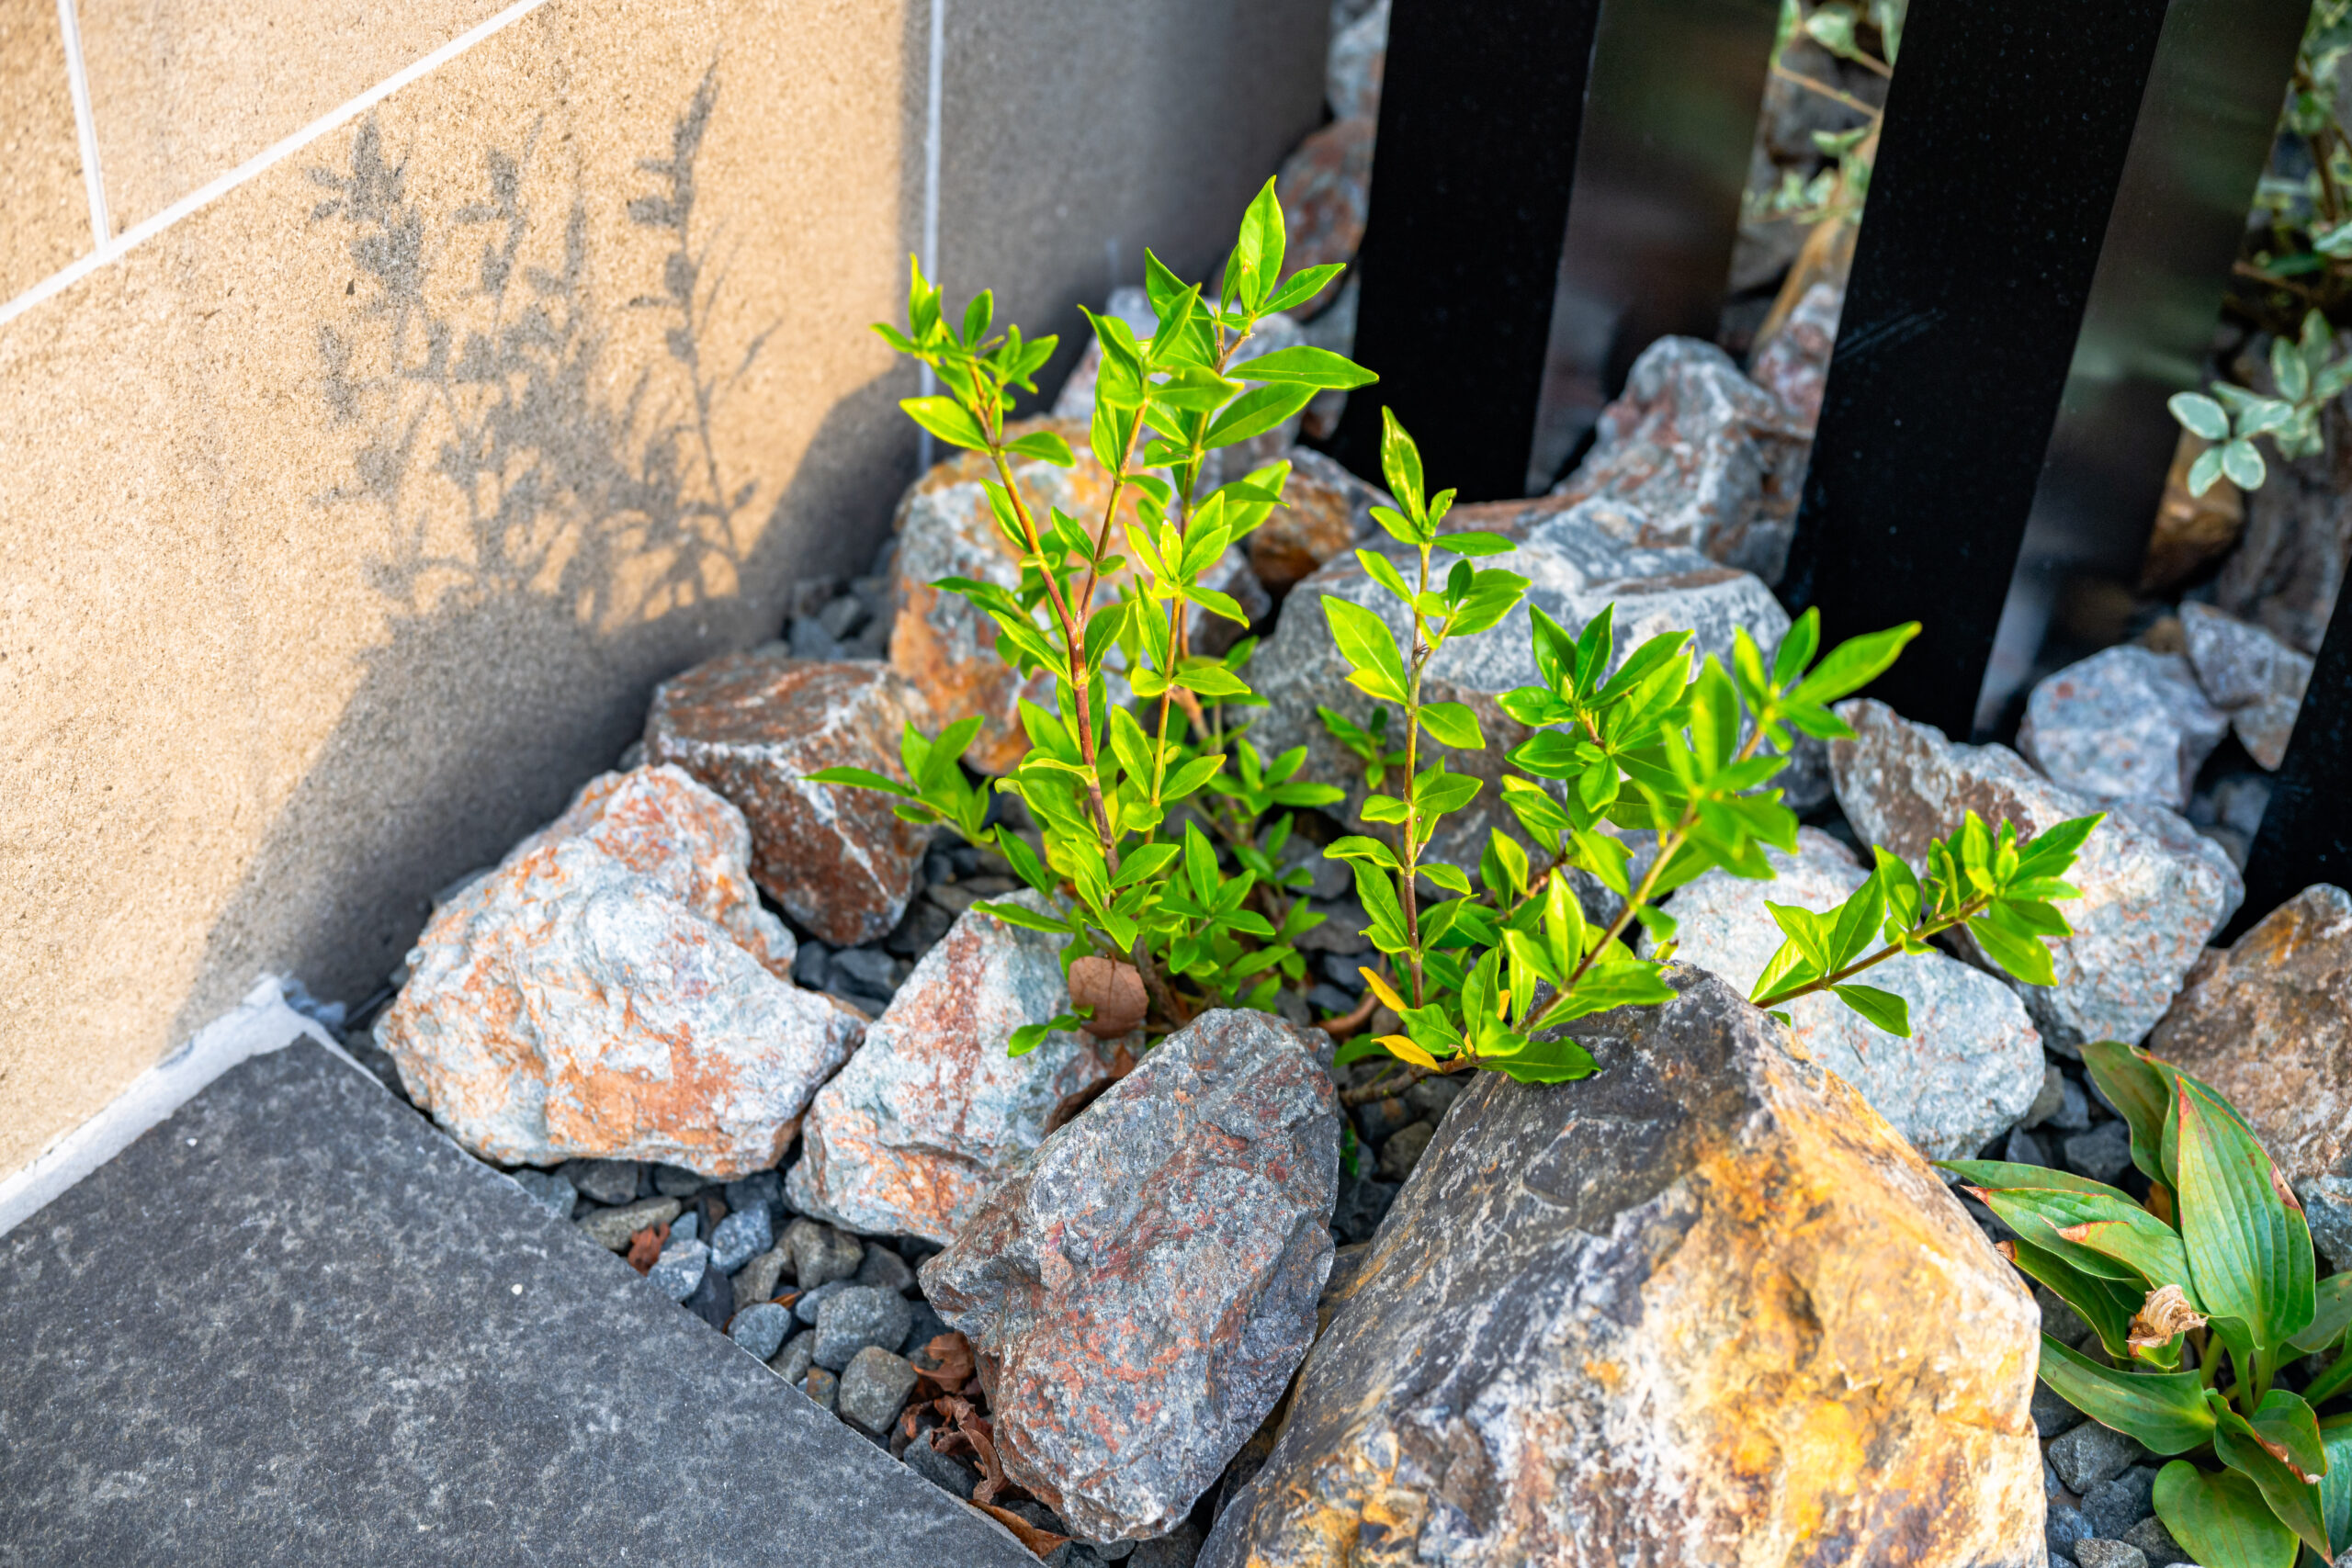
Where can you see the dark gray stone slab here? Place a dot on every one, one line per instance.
(294, 1323)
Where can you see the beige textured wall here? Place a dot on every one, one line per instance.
(44, 220)
(352, 517)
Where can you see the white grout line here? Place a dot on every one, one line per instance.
(85, 124)
(935, 70)
(147, 229)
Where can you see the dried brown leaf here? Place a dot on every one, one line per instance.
(1042, 1542)
(945, 1363)
(645, 1246)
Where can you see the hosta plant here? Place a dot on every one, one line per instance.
(1162, 829)
(2201, 1296)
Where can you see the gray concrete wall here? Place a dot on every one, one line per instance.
(355, 503)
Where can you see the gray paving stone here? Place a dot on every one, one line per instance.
(346, 1341)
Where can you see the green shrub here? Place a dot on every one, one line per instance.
(2199, 1297)
(1161, 824)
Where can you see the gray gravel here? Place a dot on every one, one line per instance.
(883, 1268)
(943, 1470)
(792, 1362)
(822, 1387)
(860, 1316)
(761, 1330)
(2155, 1542)
(2102, 1154)
(2051, 1413)
(821, 1254)
(874, 1389)
(2114, 1506)
(548, 1190)
(739, 1237)
(805, 1306)
(2096, 1552)
(606, 1180)
(677, 1182)
(757, 1280)
(2092, 1453)
(680, 1269)
(611, 1228)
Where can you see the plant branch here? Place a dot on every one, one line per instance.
(1926, 928)
(1798, 78)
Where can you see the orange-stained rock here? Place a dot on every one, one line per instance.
(930, 1111)
(614, 990)
(1704, 1308)
(945, 529)
(1328, 511)
(752, 727)
(2268, 1023)
(1325, 188)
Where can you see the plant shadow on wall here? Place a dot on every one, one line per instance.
(561, 525)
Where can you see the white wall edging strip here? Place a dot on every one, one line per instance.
(147, 229)
(85, 125)
(259, 1024)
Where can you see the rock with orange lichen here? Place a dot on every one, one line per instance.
(943, 642)
(752, 727)
(614, 990)
(1326, 511)
(929, 1114)
(1139, 1291)
(1703, 1307)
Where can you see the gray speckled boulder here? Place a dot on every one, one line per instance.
(2251, 675)
(1138, 1289)
(1711, 460)
(909, 1137)
(2125, 724)
(1703, 1307)
(2152, 888)
(1974, 1063)
(1577, 559)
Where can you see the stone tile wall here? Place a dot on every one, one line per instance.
(352, 514)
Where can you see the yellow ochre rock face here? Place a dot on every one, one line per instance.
(1706, 1307)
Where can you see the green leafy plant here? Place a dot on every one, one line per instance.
(2201, 1296)
(1650, 746)
(1835, 192)
(1162, 829)
(2299, 250)
(2309, 373)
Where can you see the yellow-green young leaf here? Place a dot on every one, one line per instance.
(1191, 777)
(2221, 1518)
(1305, 365)
(1884, 1009)
(1455, 725)
(1853, 664)
(1448, 877)
(1044, 445)
(1364, 642)
(1400, 464)
(2166, 1411)
(946, 419)
(2249, 1253)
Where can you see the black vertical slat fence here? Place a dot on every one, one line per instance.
(1489, 115)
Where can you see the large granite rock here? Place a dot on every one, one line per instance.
(1703, 1307)
(1139, 1291)
(614, 990)
(2125, 724)
(1325, 188)
(1794, 363)
(293, 1324)
(910, 1136)
(939, 641)
(753, 727)
(2249, 674)
(1578, 559)
(1353, 68)
(1974, 1063)
(2152, 888)
(1711, 460)
(2268, 1023)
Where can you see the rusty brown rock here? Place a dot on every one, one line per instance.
(945, 529)
(1704, 1307)
(2268, 1023)
(752, 727)
(910, 1137)
(614, 990)
(1327, 511)
(1325, 188)
(1138, 1292)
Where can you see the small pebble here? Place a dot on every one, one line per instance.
(821, 1254)
(611, 1228)
(1379, 1120)
(2155, 1542)
(874, 1389)
(806, 1304)
(2024, 1148)
(757, 1280)
(1432, 1097)
(812, 967)
(1402, 1152)
(739, 1237)
(1344, 970)
(2051, 1413)
(2102, 1154)
(687, 1227)
(868, 968)
(946, 1472)
(1175, 1550)
(676, 1181)
(713, 1300)
(1362, 1205)
(760, 1329)
(606, 1180)
(680, 1269)
(1327, 1000)
(2059, 1320)
(799, 1353)
(809, 640)
(2092, 1453)
(2046, 1102)
(885, 1268)
(548, 1190)
(762, 1190)
(2074, 1113)
(2062, 1527)
(843, 617)
(928, 1325)
(861, 1315)
(822, 1387)
(2113, 1507)
(2092, 1551)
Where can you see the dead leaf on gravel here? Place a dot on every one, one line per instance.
(974, 1429)
(945, 1363)
(645, 1246)
(1041, 1542)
